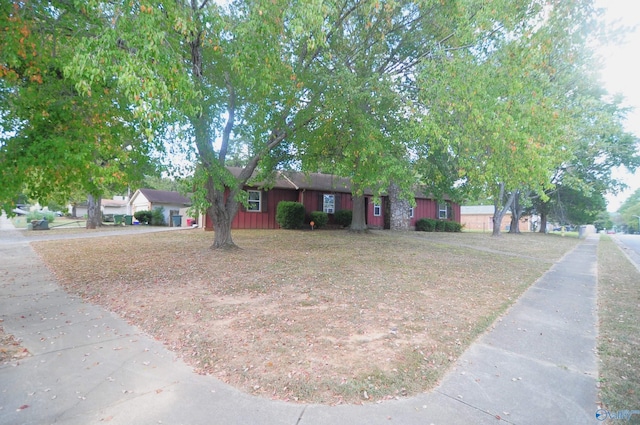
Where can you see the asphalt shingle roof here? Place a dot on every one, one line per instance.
(164, 197)
(314, 181)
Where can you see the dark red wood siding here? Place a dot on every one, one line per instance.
(312, 201)
(265, 219)
(428, 208)
(425, 208)
(457, 216)
(374, 221)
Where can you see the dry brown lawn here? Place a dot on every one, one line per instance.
(619, 330)
(310, 316)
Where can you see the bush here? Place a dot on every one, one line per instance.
(426, 225)
(39, 215)
(157, 217)
(433, 225)
(290, 215)
(53, 206)
(319, 218)
(452, 226)
(343, 217)
(144, 216)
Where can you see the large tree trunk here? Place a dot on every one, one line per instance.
(94, 215)
(222, 235)
(358, 220)
(516, 213)
(399, 209)
(497, 221)
(221, 198)
(500, 211)
(543, 222)
(543, 212)
(514, 226)
(222, 212)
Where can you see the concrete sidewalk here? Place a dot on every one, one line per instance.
(88, 366)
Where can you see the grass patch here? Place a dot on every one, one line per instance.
(310, 316)
(69, 226)
(619, 336)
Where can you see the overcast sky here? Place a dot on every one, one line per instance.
(622, 75)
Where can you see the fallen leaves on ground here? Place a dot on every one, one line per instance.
(322, 316)
(10, 348)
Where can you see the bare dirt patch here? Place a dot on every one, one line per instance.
(322, 316)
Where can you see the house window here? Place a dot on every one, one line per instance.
(443, 211)
(329, 203)
(377, 210)
(411, 212)
(255, 201)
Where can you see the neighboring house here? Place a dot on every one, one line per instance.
(480, 217)
(78, 209)
(117, 205)
(328, 193)
(173, 203)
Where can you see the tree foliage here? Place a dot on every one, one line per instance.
(493, 112)
(514, 115)
(492, 101)
(599, 143)
(366, 79)
(225, 73)
(630, 211)
(55, 141)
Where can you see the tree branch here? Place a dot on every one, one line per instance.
(231, 111)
